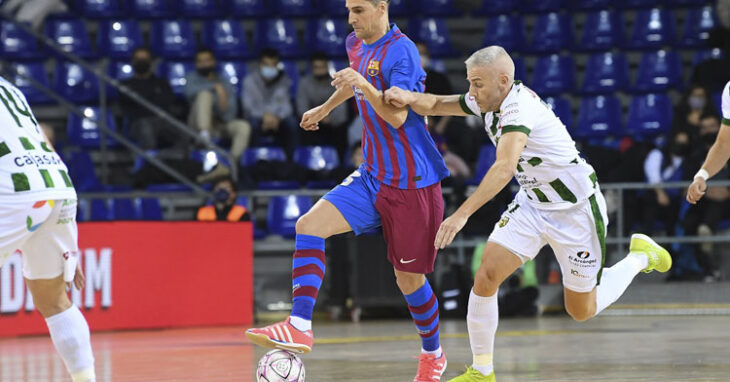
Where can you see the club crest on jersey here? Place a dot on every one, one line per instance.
(503, 222)
(373, 68)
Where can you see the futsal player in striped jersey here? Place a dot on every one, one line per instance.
(398, 187)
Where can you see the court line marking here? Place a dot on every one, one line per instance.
(411, 337)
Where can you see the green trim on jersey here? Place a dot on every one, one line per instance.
(513, 209)
(464, 107)
(511, 128)
(563, 191)
(25, 111)
(519, 168)
(26, 143)
(726, 122)
(47, 178)
(600, 231)
(593, 179)
(493, 128)
(540, 195)
(534, 161)
(4, 149)
(45, 147)
(20, 182)
(66, 179)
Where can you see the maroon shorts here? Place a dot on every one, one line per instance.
(410, 220)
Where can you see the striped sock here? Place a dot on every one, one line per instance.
(424, 308)
(307, 273)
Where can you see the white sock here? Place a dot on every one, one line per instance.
(482, 320)
(300, 323)
(616, 279)
(70, 335)
(438, 352)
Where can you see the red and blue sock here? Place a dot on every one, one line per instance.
(424, 309)
(307, 273)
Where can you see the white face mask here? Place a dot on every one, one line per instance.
(425, 62)
(269, 72)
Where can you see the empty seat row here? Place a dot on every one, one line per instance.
(119, 209)
(495, 7)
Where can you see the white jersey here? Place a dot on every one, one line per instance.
(29, 170)
(726, 104)
(550, 171)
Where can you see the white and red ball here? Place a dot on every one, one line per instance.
(280, 366)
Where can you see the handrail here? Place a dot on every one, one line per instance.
(106, 80)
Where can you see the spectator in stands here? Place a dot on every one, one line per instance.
(313, 91)
(33, 12)
(213, 104)
(695, 103)
(224, 206)
(662, 166)
(147, 128)
(713, 74)
(704, 218)
(267, 102)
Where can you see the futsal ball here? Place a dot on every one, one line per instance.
(280, 366)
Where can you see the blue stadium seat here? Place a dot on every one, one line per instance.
(328, 36)
(227, 39)
(591, 4)
(435, 34)
(175, 73)
(553, 32)
(649, 115)
(173, 39)
(658, 71)
(233, 72)
(606, 73)
(602, 31)
(119, 70)
(317, 158)
(117, 39)
(436, 8)
(485, 160)
(653, 28)
(704, 55)
(17, 43)
(520, 69)
(75, 83)
(292, 70)
(70, 35)
(279, 34)
(507, 31)
(599, 117)
(255, 154)
(682, 3)
(208, 158)
(561, 108)
(36, 71)
(146, 9)
(101, 8)
(85, 132)
(284, 212)
(125, 209)
(399, 8)
(541, 6)
(200, 8)
(151, 209)
(698, 24)
(249, 8)
(294, 8)
(333, 8)
(81, 170)
(554, 74)
(100, 210)
(496, 7)
(636, 3)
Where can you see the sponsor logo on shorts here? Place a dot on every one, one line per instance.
(406, 261)
(578, 274)
(582, 260)
(583, 254)
(503, 222)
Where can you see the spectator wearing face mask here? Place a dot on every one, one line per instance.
(146, 128)
(313, 91)
(695, 103)
(213, 104)
(225, 206)
(662, 166)
(267, 103)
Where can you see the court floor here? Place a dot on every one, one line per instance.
(680, 348)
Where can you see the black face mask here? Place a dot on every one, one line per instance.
(222, 195)
(141, 66)
(205, 71)
(321, 77)
(680, 149)
(708, 139)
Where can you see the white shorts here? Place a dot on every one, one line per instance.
(577, 236)
(43, 232)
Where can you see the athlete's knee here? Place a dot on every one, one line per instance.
(309, 224)
(486, 281)
(50, 305)
(580, 312)
(409, 282)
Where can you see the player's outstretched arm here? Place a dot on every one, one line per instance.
(716, 158)
(395, 116)
(311, 118)
(425, 104)
(508, 155)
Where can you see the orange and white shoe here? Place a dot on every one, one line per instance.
(282, 335)
(430, 368)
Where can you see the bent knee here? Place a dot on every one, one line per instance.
(51, 307)
(308, 224)
(486, 282)
(580, 314)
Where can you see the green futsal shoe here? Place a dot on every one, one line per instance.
(473, 375)
(659, 258)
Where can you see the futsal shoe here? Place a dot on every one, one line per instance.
(659, 258)
(282, 335)
(430, 368)
(473, 375)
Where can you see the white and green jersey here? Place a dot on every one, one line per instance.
(726, 104)
(29, 170)
(550, 170)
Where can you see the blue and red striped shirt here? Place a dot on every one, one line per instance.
(407, 157)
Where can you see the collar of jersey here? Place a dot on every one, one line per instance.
(381, 40)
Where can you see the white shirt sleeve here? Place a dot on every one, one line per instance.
(652, 167)
(726, 104)
(515, 117)
(469, 105)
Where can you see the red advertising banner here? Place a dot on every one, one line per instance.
(142, 275)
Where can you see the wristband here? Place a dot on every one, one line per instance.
(702, 174)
